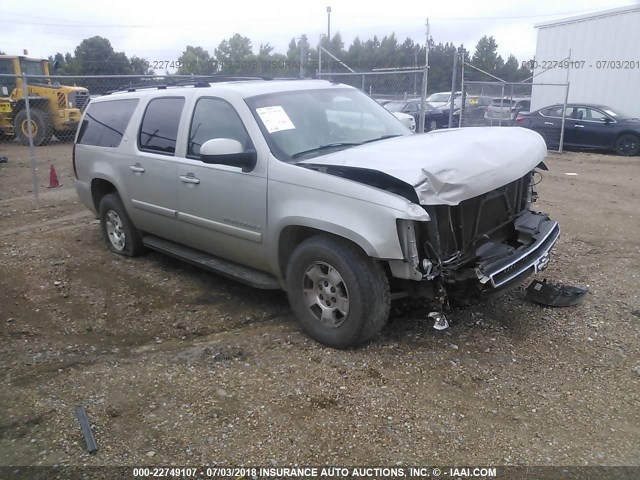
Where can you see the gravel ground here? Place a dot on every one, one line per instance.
(178, 366)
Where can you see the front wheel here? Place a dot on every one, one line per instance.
(431, 125)
(119, 233)
(40, 127)
(627, 145)
(339, 295)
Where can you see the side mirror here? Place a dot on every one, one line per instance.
(227, 151)
(607, 120)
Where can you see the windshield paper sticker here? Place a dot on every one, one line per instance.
(275, 119)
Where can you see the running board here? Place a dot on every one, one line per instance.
(246, 275)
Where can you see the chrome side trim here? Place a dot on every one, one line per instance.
(149, 207)
(221, 227)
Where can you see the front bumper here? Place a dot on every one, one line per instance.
(531, 257)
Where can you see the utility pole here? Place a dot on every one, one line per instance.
(329, 23)
(301, 56)
(320, 55)
(423, 99)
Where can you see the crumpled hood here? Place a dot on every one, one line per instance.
(448, 166)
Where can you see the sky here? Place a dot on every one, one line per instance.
(161, 31)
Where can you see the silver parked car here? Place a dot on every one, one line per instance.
(504, 111)
(314, 188)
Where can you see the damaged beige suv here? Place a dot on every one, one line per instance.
(312, 187)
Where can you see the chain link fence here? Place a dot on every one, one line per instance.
(399, 90)
(507, 104)
(387, 85)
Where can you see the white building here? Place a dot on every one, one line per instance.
(604, 66)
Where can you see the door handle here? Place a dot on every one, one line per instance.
(137, 168)
(548, 123)
(189, 179)
(579, 126)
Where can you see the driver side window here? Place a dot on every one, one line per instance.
(215, 118)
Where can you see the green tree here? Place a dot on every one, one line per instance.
(140, 66)
(486, 58)
(235, 55)
(95, 56)
(300, 51)
(195, 61)
(269, 64)
(510, 70)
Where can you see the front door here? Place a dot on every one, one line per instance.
(222, 210)
(593, 130)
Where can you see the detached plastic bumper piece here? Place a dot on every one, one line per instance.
(553, 295)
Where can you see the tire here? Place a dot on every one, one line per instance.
(118, 231)
(432, 125)
(324, 266)
(42, 130)
(627, 145)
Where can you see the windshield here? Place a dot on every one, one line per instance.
(31, 67)
(395, 106)
(439, 97)
(617, 113)
(309, 123)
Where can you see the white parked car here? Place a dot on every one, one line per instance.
(406, 119)
(443, 99)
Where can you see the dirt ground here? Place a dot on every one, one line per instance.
(175, 365)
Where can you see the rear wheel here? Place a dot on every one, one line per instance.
(339, 295)
(627, 145)
(40, 127)
(119, 233)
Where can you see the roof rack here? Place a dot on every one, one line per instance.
(197, 82)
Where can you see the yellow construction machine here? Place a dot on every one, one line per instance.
(55, 109)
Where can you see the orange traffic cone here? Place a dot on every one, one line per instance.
(53, 178)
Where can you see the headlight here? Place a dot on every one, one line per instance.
(416, 212)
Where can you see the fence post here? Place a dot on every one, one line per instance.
(501, 106)
(32, 152)
(363, 85)
(423, 100)
(564, 108)
(453, 88)
(462, 91)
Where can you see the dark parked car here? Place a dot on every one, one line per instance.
(434, 117)
(586, 126)
(504, 111)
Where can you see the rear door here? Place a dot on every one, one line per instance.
(151, 174)
(549, 125)
(222, 210)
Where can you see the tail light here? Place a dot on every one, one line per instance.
(520, 118)
(73, 161)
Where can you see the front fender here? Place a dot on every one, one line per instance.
(369, 225)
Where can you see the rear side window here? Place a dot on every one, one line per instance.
(159, 129)
(104, 123)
